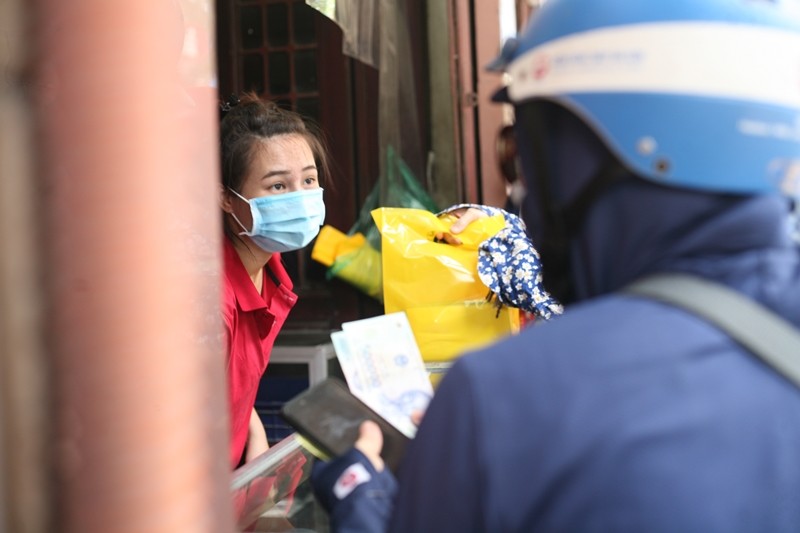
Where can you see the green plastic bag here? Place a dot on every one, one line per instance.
(397, 188)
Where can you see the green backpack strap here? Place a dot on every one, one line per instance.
(759, 330)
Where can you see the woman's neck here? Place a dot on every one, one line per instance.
(253, 258)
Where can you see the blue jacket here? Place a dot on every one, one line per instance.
(623, 414)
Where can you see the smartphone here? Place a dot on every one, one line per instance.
(329, 415)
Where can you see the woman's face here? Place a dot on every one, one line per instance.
(280, 164)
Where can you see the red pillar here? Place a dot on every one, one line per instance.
(131, 240)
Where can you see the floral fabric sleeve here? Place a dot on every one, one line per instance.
(510, 266)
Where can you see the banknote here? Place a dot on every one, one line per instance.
(383, 367)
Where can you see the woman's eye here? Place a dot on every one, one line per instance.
(276, 187)
(311, 180)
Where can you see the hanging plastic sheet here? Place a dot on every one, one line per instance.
(376, 32)
(398, 109)
(359, 22)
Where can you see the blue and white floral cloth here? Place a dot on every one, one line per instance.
(510, 266)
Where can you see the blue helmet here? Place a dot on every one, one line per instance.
(702, 94)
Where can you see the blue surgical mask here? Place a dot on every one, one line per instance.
(284, 222)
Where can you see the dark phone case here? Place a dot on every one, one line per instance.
(328, 415)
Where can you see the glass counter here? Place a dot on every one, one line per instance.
(273, 494)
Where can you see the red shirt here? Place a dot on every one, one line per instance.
(252, 321)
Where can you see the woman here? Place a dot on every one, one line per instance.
(271, 200)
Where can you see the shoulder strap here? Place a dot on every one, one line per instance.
(758, 329)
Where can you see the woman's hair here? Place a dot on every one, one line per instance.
(252, 120)
(249, 120)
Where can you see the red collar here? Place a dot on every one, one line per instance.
(246, 294)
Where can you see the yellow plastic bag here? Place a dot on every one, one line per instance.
(437, 284)
(331, 243)
(445, 331)
(361, 268)
(350, 258)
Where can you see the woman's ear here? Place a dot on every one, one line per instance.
(225, 200)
